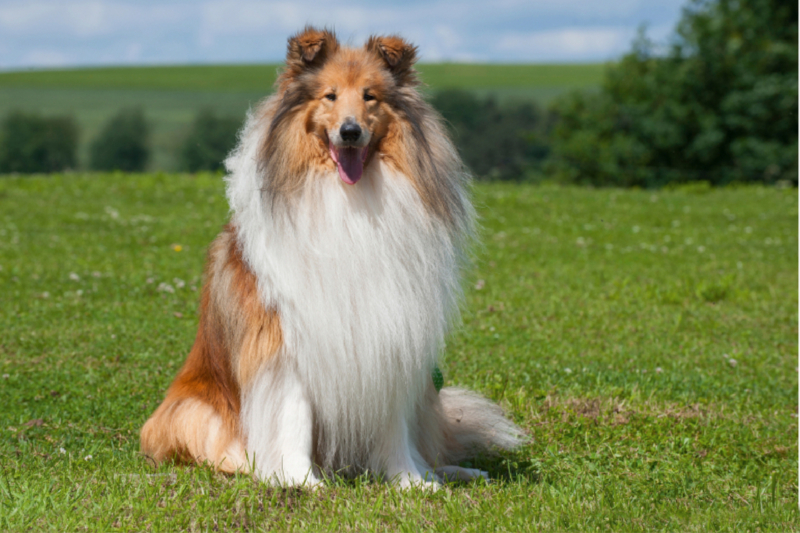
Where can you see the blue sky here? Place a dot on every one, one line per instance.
(50, 33)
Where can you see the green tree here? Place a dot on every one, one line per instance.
(719, 104)
(31, 143)
(123, 143)
(210, 140)
(495, 142)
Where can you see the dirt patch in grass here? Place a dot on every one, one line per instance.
(615, 411)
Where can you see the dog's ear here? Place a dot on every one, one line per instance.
(310, 48)
(398, 55)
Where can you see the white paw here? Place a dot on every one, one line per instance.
(407, 480)
(283, 479)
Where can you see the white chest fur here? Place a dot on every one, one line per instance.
(365, 282)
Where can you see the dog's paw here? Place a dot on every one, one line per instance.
(457, 473)
(288, 480)
(428, 481)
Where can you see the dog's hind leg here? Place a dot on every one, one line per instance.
(189, 429)
(198, 419)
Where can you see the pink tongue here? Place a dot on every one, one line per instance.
(349, 162)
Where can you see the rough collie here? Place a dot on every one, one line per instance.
(329, 294)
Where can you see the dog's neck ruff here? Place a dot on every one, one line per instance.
(365, 281)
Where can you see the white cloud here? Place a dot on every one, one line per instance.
(567, 43)
(46, 58)
(37, 32)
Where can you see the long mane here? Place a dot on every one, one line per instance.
(365, 278)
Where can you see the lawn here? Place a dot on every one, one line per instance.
(172, 95)
(647, 340)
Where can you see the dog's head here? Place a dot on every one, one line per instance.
(337, 107)
(345, 98)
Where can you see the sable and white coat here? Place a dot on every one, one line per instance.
(329, 295)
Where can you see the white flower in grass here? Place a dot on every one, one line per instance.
(658, 370)
(166, 287)
(87, 458)
(568, 370)
(62, 451)
(179, 283)
(732, 362)
(74, 277)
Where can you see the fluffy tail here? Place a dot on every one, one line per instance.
(472, 424)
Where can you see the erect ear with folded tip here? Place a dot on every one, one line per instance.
(310, 48)
(398, 55)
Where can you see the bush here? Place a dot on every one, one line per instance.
(30, 143)
(209, 142)
(720, 105)
(495, 142)
(122, 144)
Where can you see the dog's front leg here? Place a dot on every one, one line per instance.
(279, 427)
(402, 462)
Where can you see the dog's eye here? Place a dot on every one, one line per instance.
(368, 97)
(331, 97)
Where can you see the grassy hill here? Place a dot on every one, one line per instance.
(171, 95)
(260, 77)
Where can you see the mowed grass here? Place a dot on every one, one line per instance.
(172, 95)
(646, 340)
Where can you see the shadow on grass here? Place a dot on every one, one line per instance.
(502, 468)
(506, 468)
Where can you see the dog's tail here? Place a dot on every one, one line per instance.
(473, 425)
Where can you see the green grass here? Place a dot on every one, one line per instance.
(171, 96)
(647, 340)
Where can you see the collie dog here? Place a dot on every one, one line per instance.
(329, 294)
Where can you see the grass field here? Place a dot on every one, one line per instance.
(646, 340)
(171, 96)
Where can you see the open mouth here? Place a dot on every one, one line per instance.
(349, 162)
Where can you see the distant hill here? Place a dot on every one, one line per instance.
(261, 77)
(172, 95)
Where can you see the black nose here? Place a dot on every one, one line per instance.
(350, 131)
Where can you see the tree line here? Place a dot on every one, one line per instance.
(30, 143)
(717, 104)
